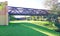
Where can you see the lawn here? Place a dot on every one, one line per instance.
(16, 28)
(47, 24)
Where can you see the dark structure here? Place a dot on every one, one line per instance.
(26, 11)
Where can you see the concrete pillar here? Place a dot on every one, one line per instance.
(3, 13)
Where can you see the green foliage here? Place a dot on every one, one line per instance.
(11, 17)
(1, 7)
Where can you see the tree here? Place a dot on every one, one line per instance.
(54, 9)
(11, 18)
(51, 4)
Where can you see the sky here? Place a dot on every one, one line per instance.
(39, 4)
(26, 3)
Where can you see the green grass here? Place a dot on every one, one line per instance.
(47, 24)
(17, 29)
(26, 29)
(40, 29)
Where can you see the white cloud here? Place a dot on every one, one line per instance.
(27, 3)
(58, 0)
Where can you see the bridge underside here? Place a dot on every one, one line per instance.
(26, 11)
